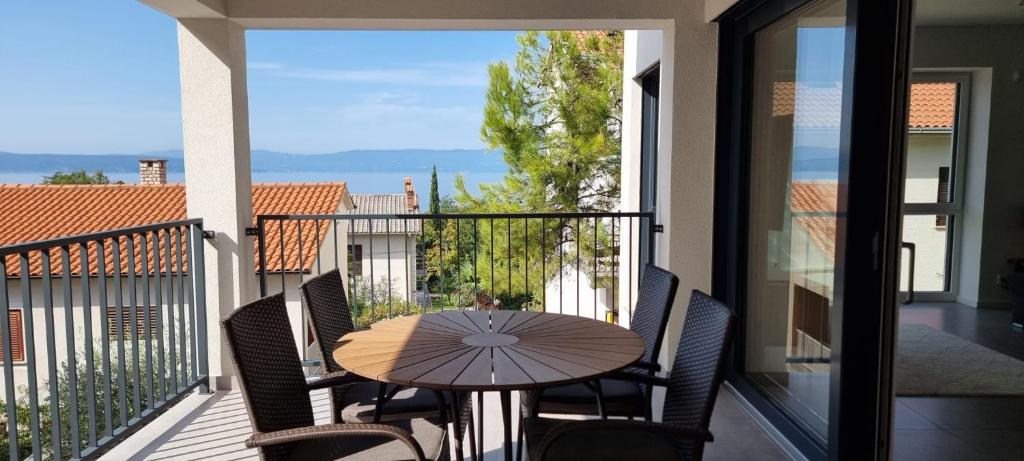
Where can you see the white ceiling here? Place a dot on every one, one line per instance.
(949, 12)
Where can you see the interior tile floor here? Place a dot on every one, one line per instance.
(975, 428)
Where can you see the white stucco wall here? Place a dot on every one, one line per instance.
(642, 51)
(401, 257)
(578, 296)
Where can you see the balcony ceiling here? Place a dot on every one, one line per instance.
(432, 14)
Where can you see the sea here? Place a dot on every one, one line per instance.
(358, 182)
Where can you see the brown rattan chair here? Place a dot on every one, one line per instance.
(276, 395)
(358, 400)
(691, 389)
(625, 397)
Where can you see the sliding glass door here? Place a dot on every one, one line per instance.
(797, 96)
(808, 181)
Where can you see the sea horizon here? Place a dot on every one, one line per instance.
(357, 182)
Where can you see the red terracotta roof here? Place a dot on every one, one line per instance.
(39, 212)
(932, 105)
(814, 206)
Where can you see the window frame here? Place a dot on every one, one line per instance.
(356, 268)
(954, 209)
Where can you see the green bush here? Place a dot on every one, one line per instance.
(64, 402)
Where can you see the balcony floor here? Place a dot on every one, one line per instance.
(217, 425)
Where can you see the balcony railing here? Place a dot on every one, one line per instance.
(123, 339)
(572, 263)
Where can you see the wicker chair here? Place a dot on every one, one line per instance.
(619, 397)
(692, 387)
(276, 395)
(359, 400)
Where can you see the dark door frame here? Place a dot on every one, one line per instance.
(650, 83)
(868, 228)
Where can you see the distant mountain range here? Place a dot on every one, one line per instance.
(407, 160)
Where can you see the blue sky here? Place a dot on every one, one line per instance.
(103, 78)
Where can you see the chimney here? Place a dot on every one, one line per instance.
(152, 172)
(412, 203)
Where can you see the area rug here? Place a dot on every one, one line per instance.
(933, 363)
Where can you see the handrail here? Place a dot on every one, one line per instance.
(36, 245)
(147, 322)
(417, 216)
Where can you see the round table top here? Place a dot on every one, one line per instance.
(487, 350)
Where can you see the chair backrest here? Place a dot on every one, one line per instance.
(654, 300)
(323, 298)
(262, 347)
(699, 365)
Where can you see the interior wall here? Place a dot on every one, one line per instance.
(1001, 232)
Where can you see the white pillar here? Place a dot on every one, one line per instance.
(215, 121)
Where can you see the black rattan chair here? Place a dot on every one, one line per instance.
(276, 395)
(692, 387)
(619, 397)
(356, 401)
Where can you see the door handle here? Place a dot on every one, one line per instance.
(910, 270)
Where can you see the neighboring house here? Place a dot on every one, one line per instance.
(386, 246)
(31, 213)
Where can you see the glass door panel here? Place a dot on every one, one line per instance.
(796, 108)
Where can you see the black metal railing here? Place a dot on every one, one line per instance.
(125, 339)
(412, 263)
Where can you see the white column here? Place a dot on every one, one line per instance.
(215, 120)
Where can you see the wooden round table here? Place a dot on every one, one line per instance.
(488, 351)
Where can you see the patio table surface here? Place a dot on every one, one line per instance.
(488, 351)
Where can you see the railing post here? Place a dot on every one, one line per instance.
(199, 279)
(261, 241)
(8, 358)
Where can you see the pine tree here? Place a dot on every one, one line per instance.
(556, 116)
(435, 200)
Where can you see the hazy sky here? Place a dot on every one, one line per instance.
(102, 77)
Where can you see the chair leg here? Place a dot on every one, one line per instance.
(456, 425)
(469, 431)
(519, 438)
(378, 410)
(600, 399)
(480, 424)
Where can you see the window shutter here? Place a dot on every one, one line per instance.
(140, 319)
(943, 195)
(17, 337)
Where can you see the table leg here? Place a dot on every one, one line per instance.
(506, 417)
(480, 423)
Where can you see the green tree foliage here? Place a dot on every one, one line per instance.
(556, 116)
(557, 119)
(76, 177)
